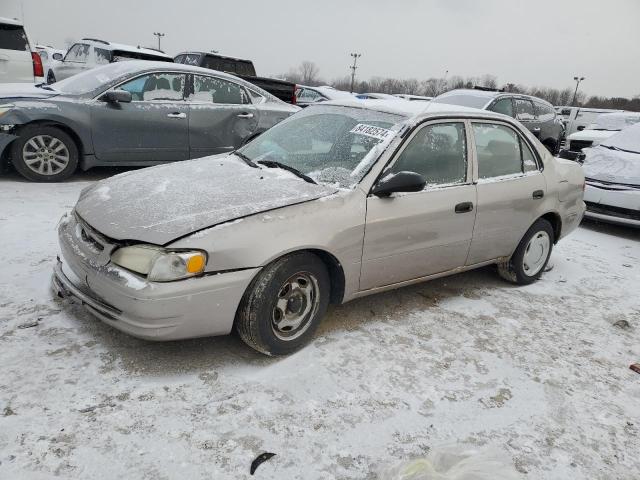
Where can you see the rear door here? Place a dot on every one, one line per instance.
(16, 64)
(526, 115)
(75, 61)
(412, 235)
(152, 128)
(510, 188)
(221, 115)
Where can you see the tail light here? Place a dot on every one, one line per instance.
(293, 96)
(38, 71)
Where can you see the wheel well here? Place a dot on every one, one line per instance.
(336, 274)
(555, 221)
(66, 129)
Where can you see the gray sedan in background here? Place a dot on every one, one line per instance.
(342, 200)
(134, 113)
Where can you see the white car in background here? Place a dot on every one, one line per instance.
(604, 126)
(306, 95)
(91, 52)
(18, 64)
(376, 96)
(612, 175)
(50, 56)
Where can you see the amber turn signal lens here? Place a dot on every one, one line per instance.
(195, 264)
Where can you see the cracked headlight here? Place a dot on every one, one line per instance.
(160, 264)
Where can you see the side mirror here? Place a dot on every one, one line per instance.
(399, 182)
(57, 56)
(117, 96)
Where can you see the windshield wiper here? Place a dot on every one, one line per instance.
(44, 86)
(295, 171)
(246, 159)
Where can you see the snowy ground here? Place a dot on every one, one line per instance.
(539, 372)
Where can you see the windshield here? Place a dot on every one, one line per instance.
(464, 100)
(331, 144)
(90, 80)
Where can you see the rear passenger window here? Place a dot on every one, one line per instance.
(524, 109)
(216, 90)
(438, 153)
(498, 150)
(503, 106)
(102, 56)
(544, 112)
(12, 37)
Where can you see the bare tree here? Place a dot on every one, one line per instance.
(309, 73)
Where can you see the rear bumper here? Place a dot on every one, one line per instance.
(206, 307)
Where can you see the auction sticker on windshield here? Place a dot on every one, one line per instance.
(371, 131)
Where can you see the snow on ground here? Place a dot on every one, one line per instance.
(539, 372)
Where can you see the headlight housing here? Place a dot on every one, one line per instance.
(160, 264)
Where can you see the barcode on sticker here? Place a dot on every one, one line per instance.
(371, 131)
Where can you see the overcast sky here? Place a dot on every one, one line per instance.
(542, 43)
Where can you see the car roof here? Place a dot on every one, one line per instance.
(121, 46)
(11, 21)
(410, 109)
(329, 92)
(488, 94)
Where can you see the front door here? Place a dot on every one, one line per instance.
(75, 61)
(221, 116)
(510, 187)
(412, 235)
(152, 128)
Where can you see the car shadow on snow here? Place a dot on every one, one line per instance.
(629, 233)
(141, 357)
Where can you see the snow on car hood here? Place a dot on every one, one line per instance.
(615, 166)
(160, 204)
(24, 90)
(595, 135)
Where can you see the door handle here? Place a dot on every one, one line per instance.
(538, 194)
(245, 115)
(177, 115)
(464, 207)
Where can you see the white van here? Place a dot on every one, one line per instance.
(17, 62)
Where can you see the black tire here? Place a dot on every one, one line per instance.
(515, 270)
(256, 318)
(51, 77)
(53, 169)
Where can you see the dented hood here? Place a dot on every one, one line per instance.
(160, 204)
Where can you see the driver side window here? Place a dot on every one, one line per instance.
(438, 152)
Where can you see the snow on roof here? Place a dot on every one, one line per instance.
(125, 48)
(10, 21)
(615, 121)
(407, 108)
(472, 92)
(329, 92)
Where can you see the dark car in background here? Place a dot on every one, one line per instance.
(134, 113)
(538, 115)
(285, 91)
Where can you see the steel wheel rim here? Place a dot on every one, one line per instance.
(45, 155)
(296, 304)
(536, 253)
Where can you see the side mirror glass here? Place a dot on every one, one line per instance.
(399, 182)
(117, 96)
(57, 56)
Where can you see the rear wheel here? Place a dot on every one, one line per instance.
(532, 255)
(51, 78)
(44, 154)
(283, 306)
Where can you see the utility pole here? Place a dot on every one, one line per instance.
(575, 93)
(353, 68)
(159, 35)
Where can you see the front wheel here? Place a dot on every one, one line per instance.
(44, 154)
(283, 306)
(531, 256)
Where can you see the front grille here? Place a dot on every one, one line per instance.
(613, 211)
(577, 145)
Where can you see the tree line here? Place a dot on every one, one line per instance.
(307, 73)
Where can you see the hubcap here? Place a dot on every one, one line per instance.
(45, 155)
(536, 253)
(296, 304)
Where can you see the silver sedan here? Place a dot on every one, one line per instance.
(339, 201)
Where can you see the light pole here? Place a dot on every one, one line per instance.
(159, 35)
(575, 93)
(353, 68)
